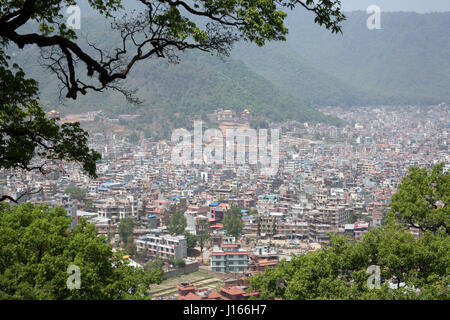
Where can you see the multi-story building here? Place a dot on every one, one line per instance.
(262, 258)
(293, 229)
(217, 212)
(250, 225)
(336, 215)
(319, 229)
(117, 209)
(163, 246)
(229, 258)
(267, 226)
(49, 188)
(364, 168)
(224, 115)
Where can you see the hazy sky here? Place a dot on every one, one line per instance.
(421, 6)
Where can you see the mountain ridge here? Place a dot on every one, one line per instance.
(406, 62)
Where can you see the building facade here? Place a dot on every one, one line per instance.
(163, 246)
(228, 258)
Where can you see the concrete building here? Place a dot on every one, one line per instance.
(267, 226)
(163, 246)
(228, 258)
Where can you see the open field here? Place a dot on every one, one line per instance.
(169, 287)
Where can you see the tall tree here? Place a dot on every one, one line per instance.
(191, 240)
(38, 250)
(423, 199)
(76, 193)
(156, 263)
(233, 222)
(90, 207)
(180, 263)
(130, 247)
(30, 141)
(204, 233)
(126, 227)
(177, 223)
(155, 268)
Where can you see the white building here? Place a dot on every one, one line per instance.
(163, 246)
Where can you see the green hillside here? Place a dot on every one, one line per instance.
(175, 93)
(406, 62)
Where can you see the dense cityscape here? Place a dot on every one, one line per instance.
(262, 155)
(331, 180)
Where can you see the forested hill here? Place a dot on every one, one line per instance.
(174, 93)
(406, 62)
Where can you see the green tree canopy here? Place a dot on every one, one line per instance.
(204, 233)
(233, 222)
(126, 227)
(133, 138)
(191, 240)
(155, 268)
(90, 207)
(156, 263)
(177, 223)
(29, 139)
(423, 199)
(340, 269)
(37, 248)
(76, 193)
(180, 263)
(130, 247)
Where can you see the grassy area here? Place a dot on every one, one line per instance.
(203, 274)
(188, 276)
(174, 281)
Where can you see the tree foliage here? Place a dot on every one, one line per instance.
(126, 227)
(155, 268)
(159, 30)
(133, 138)
(191, 240)
(177, 223)
(76, 193)
(180, 263)
(233, 222)
(90, 207)
(423, 199)
(37, 247)
(204, 233)
(410, 268)
(156, 263)
(339, 270)
(30, 140)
